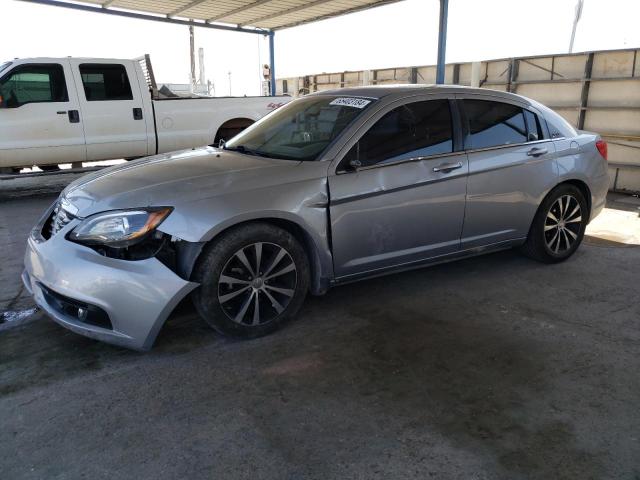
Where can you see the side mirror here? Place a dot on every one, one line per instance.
(355, 164)
(221, 143)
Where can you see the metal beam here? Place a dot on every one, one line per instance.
(442, 40)
(288, 12)
(238, 10)
(514, 71)
(584, 96)
(144, 16)
(186, 7)
(360, 8)
(272, 63)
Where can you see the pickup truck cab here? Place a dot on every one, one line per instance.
(70, 110)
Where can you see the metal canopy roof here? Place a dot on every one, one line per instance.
(248, 16)
(260, 14)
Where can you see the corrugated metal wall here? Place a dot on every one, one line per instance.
(597, 91)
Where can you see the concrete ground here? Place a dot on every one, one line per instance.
(495, 367)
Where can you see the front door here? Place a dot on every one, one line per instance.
(112, 109)
(39, 118)
(398, 195)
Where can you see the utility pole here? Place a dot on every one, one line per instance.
(575, 23)
(229, 73)
(192, 56)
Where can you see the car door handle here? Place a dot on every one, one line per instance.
(74, 116)
(537, 151)
(61, 112)
(447, 167)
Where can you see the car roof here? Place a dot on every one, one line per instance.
(382, 91)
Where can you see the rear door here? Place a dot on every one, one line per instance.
(511, 166)
(39, 121)
(112, 108)
(405, 203)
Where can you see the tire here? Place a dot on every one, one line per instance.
(49, 168)
(280, 284)
(558, 226)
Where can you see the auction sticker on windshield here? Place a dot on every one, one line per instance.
(351, 102)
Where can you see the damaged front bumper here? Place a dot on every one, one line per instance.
(117, 301)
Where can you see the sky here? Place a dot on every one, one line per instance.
(397, 35)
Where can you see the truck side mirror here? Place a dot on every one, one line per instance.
(221, 143)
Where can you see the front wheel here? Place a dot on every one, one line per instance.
(253, 279)
(558, 227)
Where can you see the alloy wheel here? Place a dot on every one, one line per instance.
(257, 283)
(562, 224)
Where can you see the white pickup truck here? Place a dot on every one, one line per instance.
(72, 110)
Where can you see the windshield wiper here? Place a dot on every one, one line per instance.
(248, 151)
(258, 153)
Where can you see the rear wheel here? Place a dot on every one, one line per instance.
(253, 279)
(559, 225)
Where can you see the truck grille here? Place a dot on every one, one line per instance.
(57, 221)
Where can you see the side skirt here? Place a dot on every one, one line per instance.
(449, 257)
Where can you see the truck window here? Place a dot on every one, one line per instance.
(105, 81)
(33, 83)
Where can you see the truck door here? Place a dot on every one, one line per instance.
(39, 118)
(112, 108)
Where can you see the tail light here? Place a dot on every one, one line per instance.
(601, 145)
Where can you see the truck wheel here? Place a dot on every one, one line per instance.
(49, 168)
(253, 279)
(558, 227)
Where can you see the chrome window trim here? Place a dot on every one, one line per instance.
(402, 161)
(500, 147)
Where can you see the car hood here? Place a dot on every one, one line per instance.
(172, 179)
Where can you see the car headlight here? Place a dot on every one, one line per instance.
(119, 228)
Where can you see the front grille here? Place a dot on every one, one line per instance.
(57, 221)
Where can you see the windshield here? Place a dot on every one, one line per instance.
(4, 65)
(300, 130)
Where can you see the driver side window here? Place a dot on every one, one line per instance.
(417, 129)
(33, 84)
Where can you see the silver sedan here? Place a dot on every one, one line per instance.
(333, 187)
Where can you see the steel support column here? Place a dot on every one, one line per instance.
(442, 40)
(272, 62)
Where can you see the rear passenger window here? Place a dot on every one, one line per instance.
(417, 129)
(103, 81)
(493, 124)
(534, 131)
